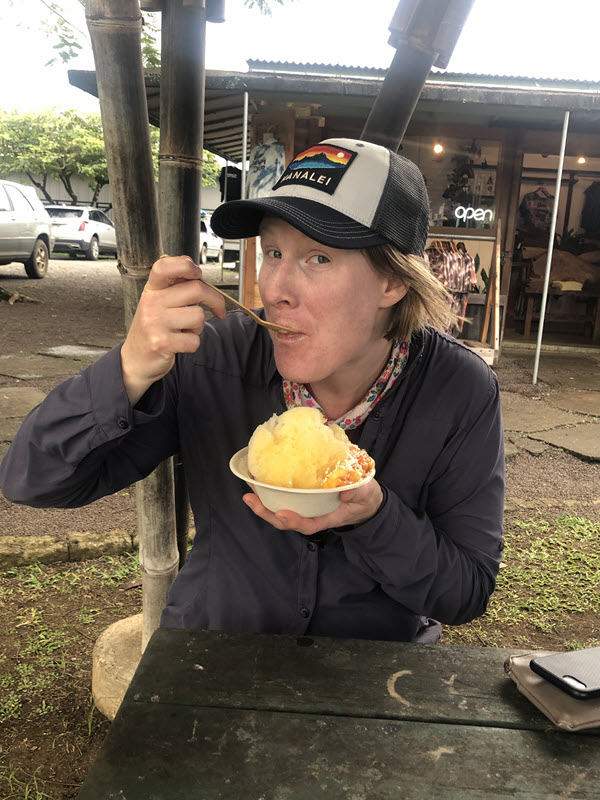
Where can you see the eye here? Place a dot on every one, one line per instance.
(319, 259)
(272, 252)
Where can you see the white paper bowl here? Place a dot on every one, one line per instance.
(306, 502)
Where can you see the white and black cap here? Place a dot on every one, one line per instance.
(342, 193)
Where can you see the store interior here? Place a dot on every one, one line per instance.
(461, 175)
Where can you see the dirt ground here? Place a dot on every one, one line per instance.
(51, 615)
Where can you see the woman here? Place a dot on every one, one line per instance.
(342, 234)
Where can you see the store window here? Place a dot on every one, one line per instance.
(460, 176)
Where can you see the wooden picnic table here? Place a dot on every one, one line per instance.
(248, 716)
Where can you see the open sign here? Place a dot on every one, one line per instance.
(478, 214)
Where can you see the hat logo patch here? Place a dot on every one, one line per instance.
(321, 167)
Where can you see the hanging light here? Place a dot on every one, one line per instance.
(581, 160)
(438, 149)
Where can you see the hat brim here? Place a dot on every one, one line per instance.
(239, 219)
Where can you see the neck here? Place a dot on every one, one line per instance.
(341, 392)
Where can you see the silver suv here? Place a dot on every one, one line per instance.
(25, 229)
(79, 229)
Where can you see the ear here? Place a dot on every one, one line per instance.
(394, 289)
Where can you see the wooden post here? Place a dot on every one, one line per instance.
(492, 300)
(180, 164)
(115, 29)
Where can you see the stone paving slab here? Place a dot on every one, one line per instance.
(510, 450)
(582, 440)
(8, 428)
(526, 414)
(17, 401)
(563, 369)
(105, 342)
(76, 352)
(581, 402)
(530, 445)
(31, 367)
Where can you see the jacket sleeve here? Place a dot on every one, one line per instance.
(443, 563)
(85, 441)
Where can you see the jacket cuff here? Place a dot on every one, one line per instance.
(113, 413)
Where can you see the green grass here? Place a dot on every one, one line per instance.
(23, 788)
(549, 580)
(34, 579)
(39, 665)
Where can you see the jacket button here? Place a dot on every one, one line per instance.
(304, 612)
(311, 546)
(122, 422)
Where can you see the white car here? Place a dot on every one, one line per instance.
(80, 229)
(25, 229)
(210, 243)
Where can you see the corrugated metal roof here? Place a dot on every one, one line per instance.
(524, 81)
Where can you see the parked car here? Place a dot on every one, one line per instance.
(79, 229)
(25, 229)
(210, 243)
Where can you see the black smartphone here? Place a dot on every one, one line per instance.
(576, 672)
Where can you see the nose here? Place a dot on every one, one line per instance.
(277, 283)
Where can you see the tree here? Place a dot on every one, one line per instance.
(57, 144)
(65, 144)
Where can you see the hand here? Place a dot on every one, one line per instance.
(168, 320)
(357, 506)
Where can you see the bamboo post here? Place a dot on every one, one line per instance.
(180, 164)
(115, 28)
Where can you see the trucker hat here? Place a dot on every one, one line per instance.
(343, 193)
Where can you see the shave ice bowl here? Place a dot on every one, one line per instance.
(306, 502)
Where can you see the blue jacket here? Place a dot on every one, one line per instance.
(432, 550)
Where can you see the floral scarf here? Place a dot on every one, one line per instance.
(298, 394)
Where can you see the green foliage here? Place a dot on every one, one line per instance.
(64, 144)
(264, 6)
(53, 143)
(150, 37)
(67, 38)
(210, 170)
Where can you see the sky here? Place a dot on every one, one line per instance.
(536, 38)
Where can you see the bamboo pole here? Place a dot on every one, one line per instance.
(424, 34)
(115, 28)
(180, 164)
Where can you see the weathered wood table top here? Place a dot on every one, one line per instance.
(248, 716)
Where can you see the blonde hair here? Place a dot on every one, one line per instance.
(426, 301)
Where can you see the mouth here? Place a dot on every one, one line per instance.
(289, 337)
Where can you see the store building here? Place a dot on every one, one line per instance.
(488, 147)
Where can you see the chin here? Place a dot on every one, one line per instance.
(296, 372)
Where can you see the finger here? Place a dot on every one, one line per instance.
(169, 270)
(188, 318)
(255, 505)
(181, 342)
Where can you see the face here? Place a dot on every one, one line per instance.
(335, 300)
